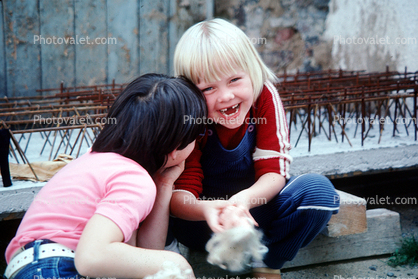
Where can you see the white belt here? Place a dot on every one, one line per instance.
(45, 251)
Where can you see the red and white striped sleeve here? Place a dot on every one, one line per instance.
(191, 178)
(272, 141)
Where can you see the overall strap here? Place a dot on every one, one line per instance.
(227, 172)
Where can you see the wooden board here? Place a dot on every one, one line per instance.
(174, 34)
(153, 33)
(3, 79)
(351, 217)
(123, 24)
(23, 57)
(141, 35)
(91, 58)
(57, 22)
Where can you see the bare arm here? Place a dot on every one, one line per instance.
(153, 231)
(185, 205)
(101, 253)
(261, 192)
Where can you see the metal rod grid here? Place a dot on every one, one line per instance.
(322, 101)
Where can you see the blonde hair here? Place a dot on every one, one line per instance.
(215, 48)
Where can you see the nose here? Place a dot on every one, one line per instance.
(225, 95)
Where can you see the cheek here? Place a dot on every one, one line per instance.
(250, 98)
(190, 148)
(211, 101)
(250, 90)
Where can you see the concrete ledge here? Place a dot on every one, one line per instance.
(357, 162)
(15, 200)
(382, 237)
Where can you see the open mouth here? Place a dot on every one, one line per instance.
(230, 111)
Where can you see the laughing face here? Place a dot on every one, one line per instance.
(229, 99)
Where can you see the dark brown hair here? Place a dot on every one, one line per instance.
(147, 120)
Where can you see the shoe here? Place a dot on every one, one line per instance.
(266, 273)
(173, 246)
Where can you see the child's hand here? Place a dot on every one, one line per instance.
(212, 212)
(166, 177)
(241, 200)
(235, 216)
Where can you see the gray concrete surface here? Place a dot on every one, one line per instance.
(18, 197)
(346, 163)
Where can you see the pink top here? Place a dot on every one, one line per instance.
(95, 183)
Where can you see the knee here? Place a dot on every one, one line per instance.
(320, 188)
(319, 182)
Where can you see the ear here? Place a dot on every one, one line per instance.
(172, 155)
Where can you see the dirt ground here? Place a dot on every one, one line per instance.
(364, 269)
(367, 268)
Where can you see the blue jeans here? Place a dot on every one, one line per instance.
(49, 268)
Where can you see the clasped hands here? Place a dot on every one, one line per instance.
(227, 214)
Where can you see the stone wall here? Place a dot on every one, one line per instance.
(368, 35)
(288, 32)
(311, 35)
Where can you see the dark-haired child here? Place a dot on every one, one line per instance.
(106, 213)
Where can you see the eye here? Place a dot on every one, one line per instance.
(207, 90)
(235, 79)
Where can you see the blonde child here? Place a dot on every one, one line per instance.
(244, 157)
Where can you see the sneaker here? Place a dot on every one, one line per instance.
(173, 246)
(266, 273)
(257, 264)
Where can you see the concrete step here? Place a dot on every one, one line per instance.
(382, 237)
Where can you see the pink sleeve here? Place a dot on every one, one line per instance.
(129, 198)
